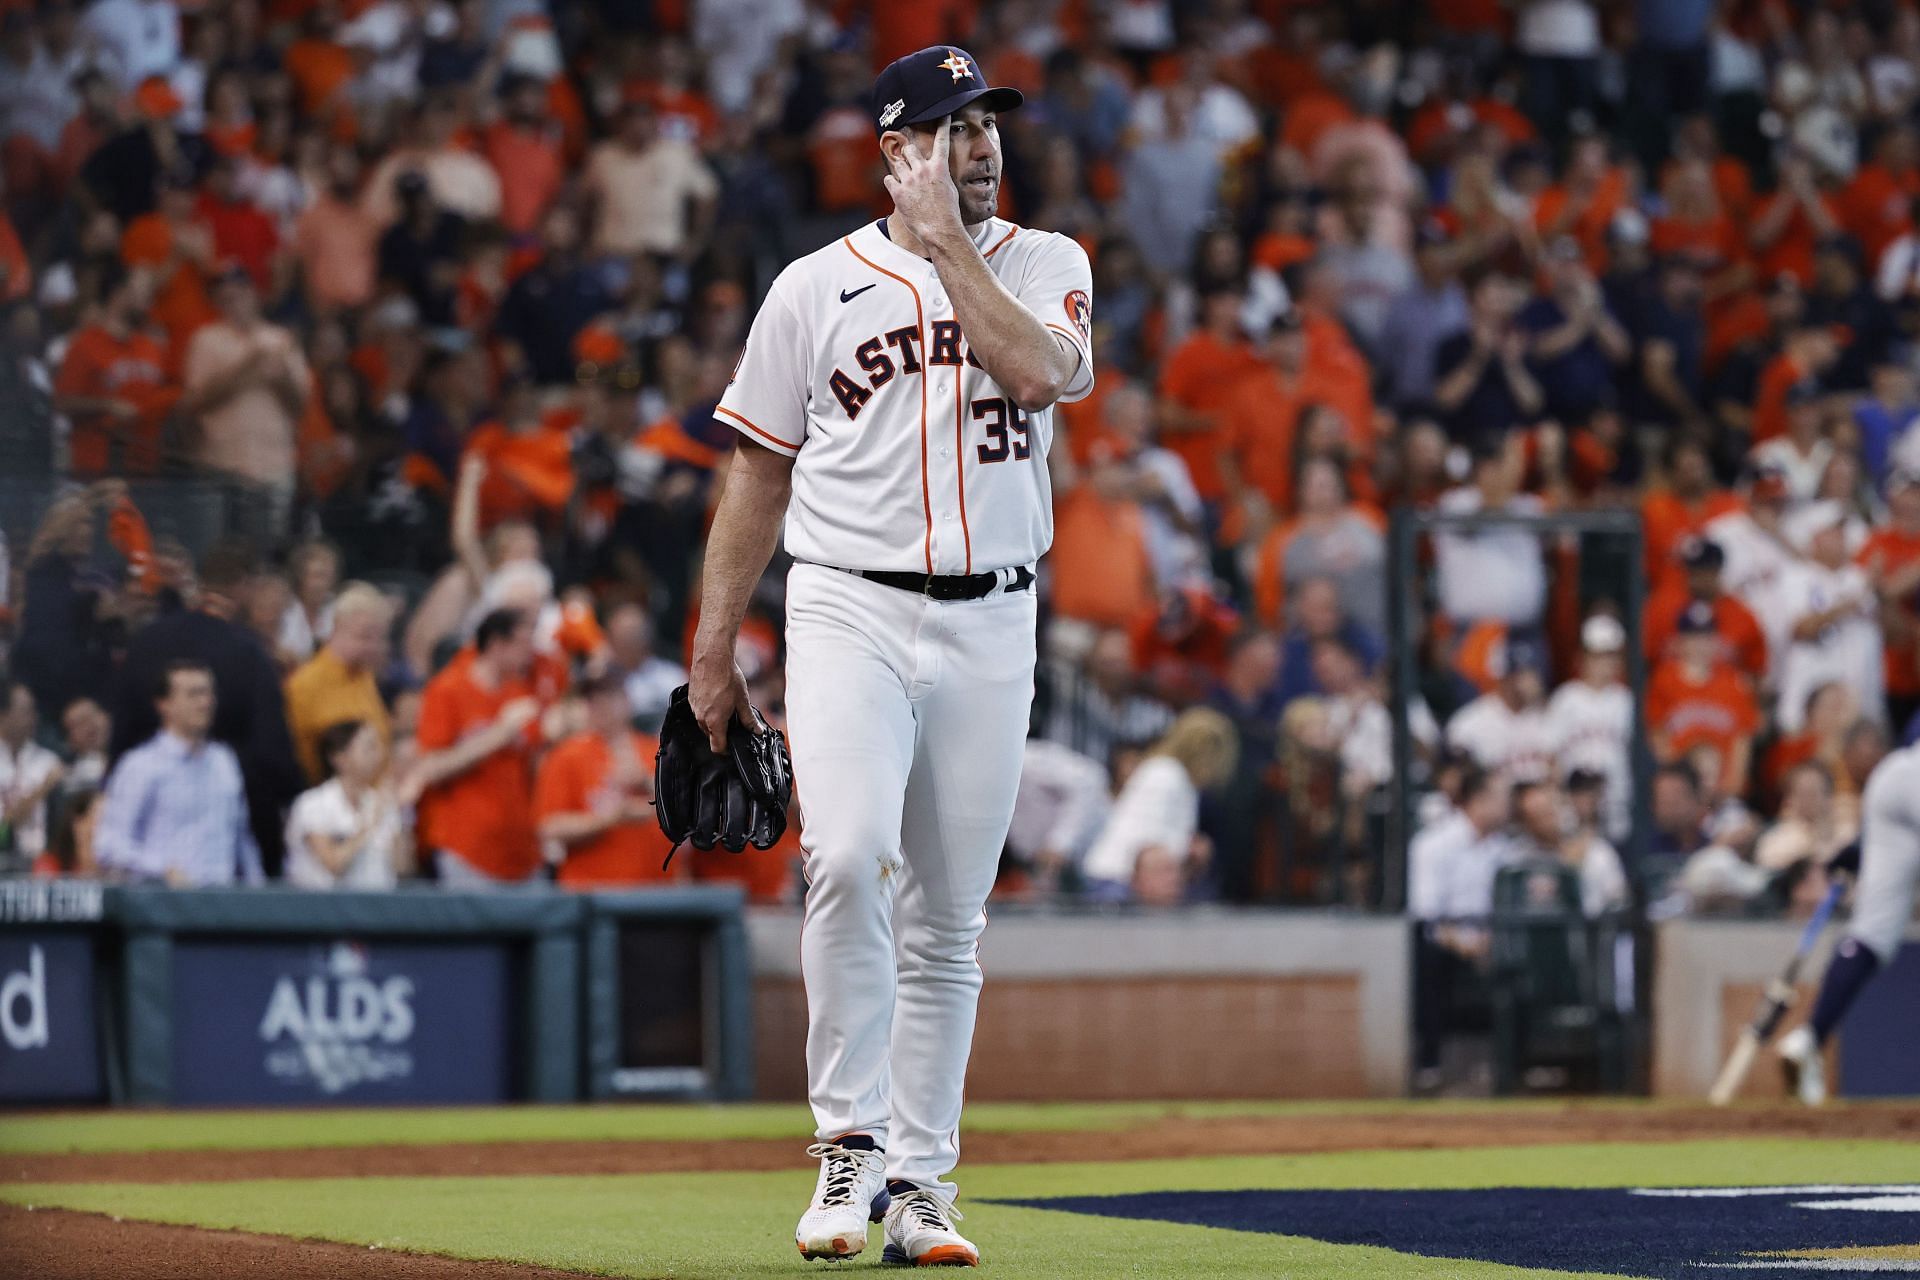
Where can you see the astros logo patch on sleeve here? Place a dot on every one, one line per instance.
(1080, 310)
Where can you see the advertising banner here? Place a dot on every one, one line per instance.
(49, 1040)
(342, 1020)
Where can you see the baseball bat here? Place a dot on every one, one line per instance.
(1775, 1002)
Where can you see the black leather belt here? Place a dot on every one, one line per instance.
(947, 586)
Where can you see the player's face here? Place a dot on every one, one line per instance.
(973, 158)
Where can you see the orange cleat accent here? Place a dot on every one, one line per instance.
(948, 1255)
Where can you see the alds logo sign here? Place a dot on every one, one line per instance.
(338, 1026)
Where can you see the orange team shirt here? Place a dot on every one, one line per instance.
(1101, 573)
(1885, 551)
(1309, 118)
(573, 779)
(764, 873)
(846, 168)
(1743, 645)
(1791, 252)
(1338, 376)
(1200, 375)
(180, 303)
(1877, 208)
(318, 69)
(1261, 414)
(680, 113)
(1684, 713)
(1714, 239)
(484, 815)
(1589, 227)
(98, 364)
(531, 170)
(527, 473)
(1670, 520)
(1782, 374)
(13, 258)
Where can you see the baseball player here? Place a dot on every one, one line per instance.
(1886, 863)
(894, 403)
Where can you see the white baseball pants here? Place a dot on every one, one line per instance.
(907, 719)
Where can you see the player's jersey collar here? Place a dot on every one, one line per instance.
(985, 235)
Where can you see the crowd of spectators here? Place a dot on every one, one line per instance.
(434, 298)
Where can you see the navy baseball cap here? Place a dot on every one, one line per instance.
(936, 81)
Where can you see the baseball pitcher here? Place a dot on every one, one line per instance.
(894, 403)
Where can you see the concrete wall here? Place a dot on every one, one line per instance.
(1211, 1003)
(1708, 979)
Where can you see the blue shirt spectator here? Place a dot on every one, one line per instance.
(175, 810)
(1317, 616)
(1576, 344)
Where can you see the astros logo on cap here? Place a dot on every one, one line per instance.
(961, 68)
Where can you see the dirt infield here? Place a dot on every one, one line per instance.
(54, 1244)
(1169, 1138)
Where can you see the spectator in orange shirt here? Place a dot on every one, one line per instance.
(1698, 706)
(1672, 515)
(176, 244)
(527, 457)
(1197, 382)
(524, 148)
(336, 240)
(113, 384)
(1743, 645)
(1585, 201)
(1793, 220)
(241, 232)
(1878, 203)
(1102, 572)
(1808, 352)
(682, 110)
(1694, 138)
(1891, 557)
(594, 798)
(478, 733)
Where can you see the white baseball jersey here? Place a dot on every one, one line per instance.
(1848, 650)
(907, 714)
(1593, 729)
(1756, 562)
(907, 456)
(1889, 854)
(1498, 737)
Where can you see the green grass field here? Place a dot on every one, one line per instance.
(715, 1226)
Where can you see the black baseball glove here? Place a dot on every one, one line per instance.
(733, 798)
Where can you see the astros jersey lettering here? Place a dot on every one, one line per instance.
(907, 456)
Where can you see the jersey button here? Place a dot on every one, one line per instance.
(946, 453)
(939, 301)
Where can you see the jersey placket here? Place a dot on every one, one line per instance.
(946, 470)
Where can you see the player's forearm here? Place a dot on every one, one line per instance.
(746, 528)
(1029, 361)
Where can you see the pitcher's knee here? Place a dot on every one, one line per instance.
(855, 860)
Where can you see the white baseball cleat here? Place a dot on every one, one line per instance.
(851, 1192)
(920, 1233)
(1806, 1069)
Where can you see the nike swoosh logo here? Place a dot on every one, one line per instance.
(849, 297)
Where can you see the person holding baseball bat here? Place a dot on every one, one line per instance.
(1885, 865)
